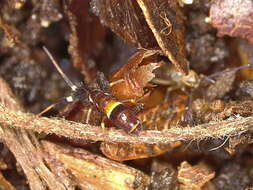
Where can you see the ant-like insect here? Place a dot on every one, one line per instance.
(98, 94)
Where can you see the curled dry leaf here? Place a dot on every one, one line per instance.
(194, 177)
(166, 115)
(129, 81)
(96, 172)
(233, 18)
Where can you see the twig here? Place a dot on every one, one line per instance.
(75, 130)
(29, 157)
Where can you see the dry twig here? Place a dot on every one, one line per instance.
(75, 130)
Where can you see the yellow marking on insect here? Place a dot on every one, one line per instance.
(135, 126)
(110, 106)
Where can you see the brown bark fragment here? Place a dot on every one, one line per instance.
(4, 184)
(233, 18)
(125, 19)
(194, 177)
(97, 172)
(166, 22)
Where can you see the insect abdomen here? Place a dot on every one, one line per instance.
(120, 115)
(126, 119)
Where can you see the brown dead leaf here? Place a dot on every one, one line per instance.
(128, 151)
(129, 81)
(166, 22)
(125, 19)
(233, 18)
(147, 24)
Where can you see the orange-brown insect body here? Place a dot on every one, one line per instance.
(120, 115)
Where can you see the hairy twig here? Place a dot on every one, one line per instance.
(75, 130)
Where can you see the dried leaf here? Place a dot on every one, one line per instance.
(128, 151)
(166, 22)
(125, 19)
(129, 81)
(165, 115)
(162, 23)
(233, 18)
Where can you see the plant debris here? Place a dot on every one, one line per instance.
(188, 87)
(233, 18)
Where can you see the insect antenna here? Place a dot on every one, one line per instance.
(229, 70)
(66, 79)
(64, 76)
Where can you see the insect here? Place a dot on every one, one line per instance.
(167, 75)
(98, 94)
